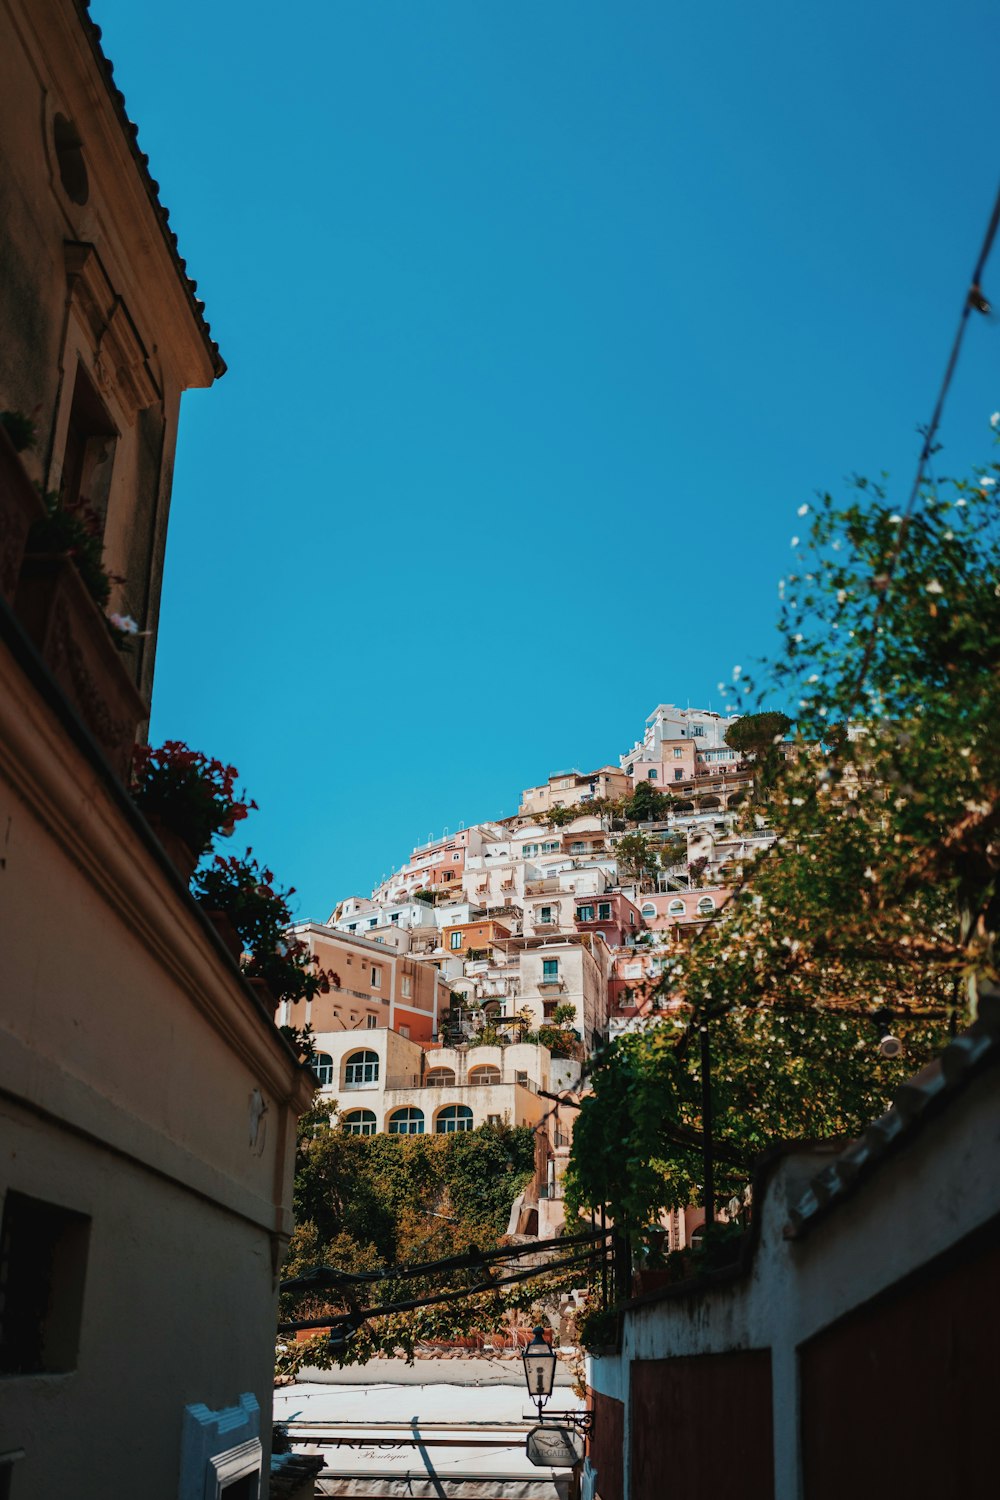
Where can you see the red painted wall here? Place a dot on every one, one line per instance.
(606, 1445)
(900, 1398)
(701, 1428)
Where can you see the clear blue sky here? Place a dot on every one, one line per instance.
(541, 321)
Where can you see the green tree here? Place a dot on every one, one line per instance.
(881, 890)
(648, 804)
(636, 855)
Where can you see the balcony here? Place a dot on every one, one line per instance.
(405, 1082)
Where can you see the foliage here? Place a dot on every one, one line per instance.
(754, 734)
(20, 428)
(647, 804)
(194, 796)
(775, 1076)
(427, 897)
(78, 532)
(364, 1202)
(636, 855)
(560, 816)
(244, 889)
(565, 1014)
(881, 890)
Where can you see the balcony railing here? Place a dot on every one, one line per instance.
(404, 1083)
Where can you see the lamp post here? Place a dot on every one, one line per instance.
(539, 1369)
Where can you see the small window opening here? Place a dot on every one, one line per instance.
(43, 1265)
(69, 157)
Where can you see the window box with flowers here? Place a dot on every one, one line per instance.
(61, 601)
(187, 798)
(278, 966)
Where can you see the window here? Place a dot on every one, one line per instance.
(494, 1119)
(440, 1078)
(352, 927)
(371, 1021)
(69, 159)
(376, 977)
(373, 921)
(359, 1122)
(675, 909)
(649, 910)
(485, 1075)
(545, 915)
(698, 730)
(678, 775)
(585, 914)
(529, 849)
(455, 941)
(452, 1118)
(394, 919)
(404, 1031)
(408, 1121)
(576, 847)
(552, 847)
(654, 776)
(705, 906)
(361, 1070)
(456, 856)
(89, 453)
(407, 986)
(43, 1265)
(678, 752)
(604, 911)
(630, 770)
(322, 1066)
(550, 970)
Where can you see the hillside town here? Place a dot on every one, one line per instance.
(642, 1142)
(487, 968)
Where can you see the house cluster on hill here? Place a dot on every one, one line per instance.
(485, 970)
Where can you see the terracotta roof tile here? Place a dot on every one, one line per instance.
(131, 132)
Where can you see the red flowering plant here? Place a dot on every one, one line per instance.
(192, 795)
(245, 890)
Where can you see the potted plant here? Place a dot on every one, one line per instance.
(279, 966)
(62, 594)
(187, 798)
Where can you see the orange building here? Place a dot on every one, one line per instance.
(466, 937)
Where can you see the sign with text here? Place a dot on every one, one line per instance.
(554, 1447)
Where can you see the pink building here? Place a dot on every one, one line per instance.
(612, 915)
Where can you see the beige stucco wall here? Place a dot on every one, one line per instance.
(141, 1084)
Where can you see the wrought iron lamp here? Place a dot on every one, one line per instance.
(539, 1369)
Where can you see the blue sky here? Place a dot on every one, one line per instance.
(541, 320)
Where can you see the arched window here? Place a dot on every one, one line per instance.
(440, 1077)
(361, 1070)
(706, 906)
(649, 910)
(322, 1066)
(406, 1122)
(675, 909)
(453, 1117)
(486, 1074)
(359, 1122)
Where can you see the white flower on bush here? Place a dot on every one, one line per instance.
(125, 624)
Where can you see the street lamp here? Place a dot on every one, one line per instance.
(539, 1369)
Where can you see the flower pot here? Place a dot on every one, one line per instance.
(264, 993)
(75, 644)
(227, 932)
(20, 506)
(177, 850)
